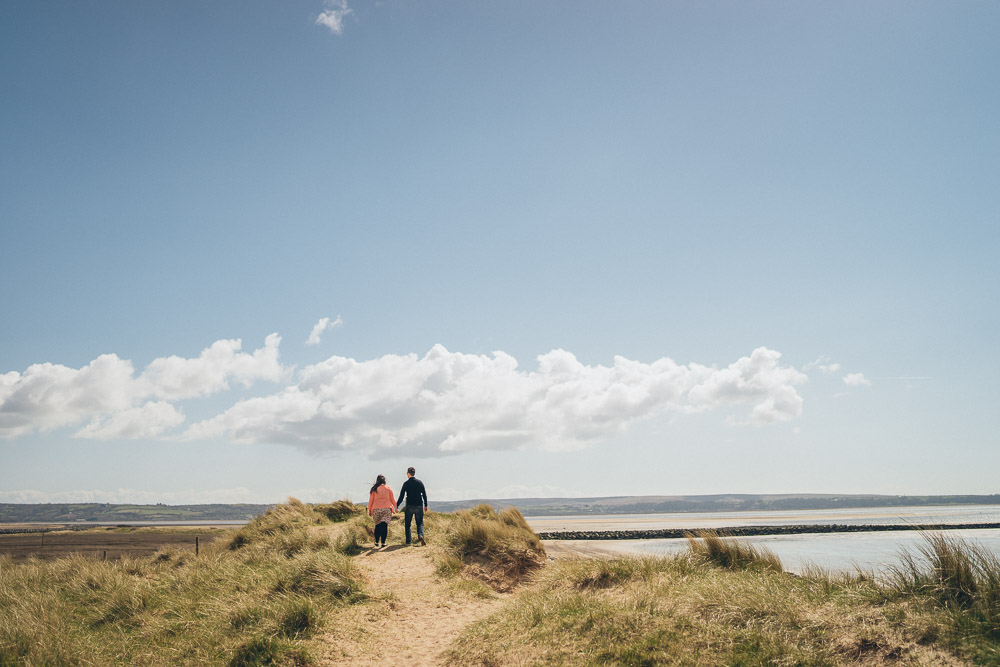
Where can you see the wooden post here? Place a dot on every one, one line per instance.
(195, 545)
(105, 554)
(43, 542)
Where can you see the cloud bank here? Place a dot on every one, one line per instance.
(447, 402)
(437, 404)
(115, 402)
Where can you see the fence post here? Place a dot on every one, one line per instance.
(105, 554)
(195, 545)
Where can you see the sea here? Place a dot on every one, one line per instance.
(874, 553)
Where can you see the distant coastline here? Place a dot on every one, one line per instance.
(716, 503)
(68, 513)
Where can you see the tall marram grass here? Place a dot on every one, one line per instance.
(497, 547)
(959, 577)
(254, 598)
(731, 553)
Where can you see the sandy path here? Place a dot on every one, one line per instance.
(413, 617)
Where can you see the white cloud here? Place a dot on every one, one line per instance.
(824, 364)
(856, 380)
(320, 327)
(107, 394)
(148, 421)
(333, 16)
(448, 402)
(176, 378)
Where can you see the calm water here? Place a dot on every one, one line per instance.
(837, 552)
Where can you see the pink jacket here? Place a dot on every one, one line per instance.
(381, 497)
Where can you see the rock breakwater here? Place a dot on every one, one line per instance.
(753, 531)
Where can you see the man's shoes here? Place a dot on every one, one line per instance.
(423, 542)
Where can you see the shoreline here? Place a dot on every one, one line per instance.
(754, 531)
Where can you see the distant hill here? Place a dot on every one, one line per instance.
(72, 512)
(713, 503)
(732, 502)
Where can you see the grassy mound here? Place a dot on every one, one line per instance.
(254, 598)
(498, 548)
(720, 604)
(342, 510)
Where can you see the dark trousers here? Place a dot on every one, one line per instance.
(381, 532)
(411, 512)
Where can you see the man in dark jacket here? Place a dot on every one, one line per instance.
(416, 503)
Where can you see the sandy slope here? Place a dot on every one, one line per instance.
(414, 617)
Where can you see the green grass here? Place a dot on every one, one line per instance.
(728, 604)
(254, 598)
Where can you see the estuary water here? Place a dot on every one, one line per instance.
(874, 552)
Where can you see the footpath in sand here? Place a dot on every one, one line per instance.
(413, 616)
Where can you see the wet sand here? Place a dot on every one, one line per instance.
(592, 548)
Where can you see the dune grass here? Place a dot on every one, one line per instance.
(960, 581)
(262, 595)
(254, 598)
(723, 602)
(496, 547)
(731, 553)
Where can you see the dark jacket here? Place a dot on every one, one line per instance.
(414, 491)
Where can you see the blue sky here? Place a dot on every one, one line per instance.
(574, 249)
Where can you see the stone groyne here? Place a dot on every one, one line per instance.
(753, 531)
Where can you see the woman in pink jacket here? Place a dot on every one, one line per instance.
(381, 506)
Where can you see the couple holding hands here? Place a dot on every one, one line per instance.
(382, 505)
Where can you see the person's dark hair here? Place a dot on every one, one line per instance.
(379, 481)
(411, 471)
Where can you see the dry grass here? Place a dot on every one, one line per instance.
(498, 548)
(720, 604)
(731, 553)
(254, 598)
(342, 510)
(960, 581)
(261, 595)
